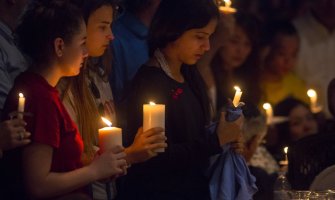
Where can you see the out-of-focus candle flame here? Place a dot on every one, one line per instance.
(106, 121)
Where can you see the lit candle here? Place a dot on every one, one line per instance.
(20, 107)
(313, 99)
(237, 96)
(227, 9)
(109, 137)
(153, 116)
(285, 151)
(284, 162)
(269, 112)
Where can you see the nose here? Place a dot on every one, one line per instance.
(110, 35)
(206, 45)
(85, 52)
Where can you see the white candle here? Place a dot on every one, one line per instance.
(227, 9)
(109, 137)
(284, 162)
(153, 116)
(237, 96)
(313, 97)
(285, 151)
(269, 112)
(20, 107)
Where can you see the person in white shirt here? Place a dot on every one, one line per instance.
(316, 59)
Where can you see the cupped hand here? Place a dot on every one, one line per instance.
(110, 163)
(145, 144)
(229, 131)
(13, 134)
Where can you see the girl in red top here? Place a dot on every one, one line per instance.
(52, 34)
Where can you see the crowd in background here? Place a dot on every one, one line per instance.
(78, 60)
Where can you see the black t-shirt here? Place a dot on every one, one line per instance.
(179, 171)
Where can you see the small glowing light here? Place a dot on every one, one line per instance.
(21, 95)
(285, 150)
(237, 88)
(311, 93)
(152, 103)
(107, 121)
(227, 3)
(266, 106)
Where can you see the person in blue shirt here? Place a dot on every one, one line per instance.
(130, 48)
(12, 62)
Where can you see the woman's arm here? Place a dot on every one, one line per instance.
(42, 183)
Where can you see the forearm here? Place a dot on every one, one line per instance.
(55, 184)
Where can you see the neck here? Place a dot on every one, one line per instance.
(271, 76)
(50, 74)
(174, 64)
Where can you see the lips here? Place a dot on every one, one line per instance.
(198, 56)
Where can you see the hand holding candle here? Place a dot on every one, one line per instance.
(109, 137)
(237, 96)
(153, 116)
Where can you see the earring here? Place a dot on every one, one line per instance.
(59, 53)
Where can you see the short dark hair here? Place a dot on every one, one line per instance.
(284, 107)
(275, 28)
(174, 17)
(44, 21)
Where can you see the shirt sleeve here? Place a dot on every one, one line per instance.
(6, 83)
(44, 124)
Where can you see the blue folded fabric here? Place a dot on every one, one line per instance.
(229, 174)
(233, 113)
(230, 177)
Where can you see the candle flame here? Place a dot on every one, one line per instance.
(21, 95)
(266, 106)
(227, 3)
(311, 93)
(152, 103)
(237, 88)
(285, 150)
(106, 121)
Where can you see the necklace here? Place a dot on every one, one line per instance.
(162, 62)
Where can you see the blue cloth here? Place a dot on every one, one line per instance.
(229, 174)
(233, 113)
(230, 177)
(130, 51)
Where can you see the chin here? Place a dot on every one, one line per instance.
(76, 72)
(190, 62)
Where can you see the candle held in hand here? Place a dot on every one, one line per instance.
(109, 137)
(237, 96)
(20, 107)
(153, 116)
